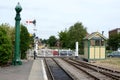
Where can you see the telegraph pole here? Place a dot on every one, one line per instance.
(16, 60)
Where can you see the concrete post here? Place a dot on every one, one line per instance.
(76, 50)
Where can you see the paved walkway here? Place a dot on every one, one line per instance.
(38, 71)
(29, 70)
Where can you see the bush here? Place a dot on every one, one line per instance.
(5, 46)
(24, 41)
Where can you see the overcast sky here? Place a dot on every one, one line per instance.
(52, 16)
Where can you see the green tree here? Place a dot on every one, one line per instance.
(52, 41)
(5, 45)
(24, 41)
(114, 41)
(32, 40)
(63, 36)
(75, 33)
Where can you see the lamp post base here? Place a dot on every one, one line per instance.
(17, 62)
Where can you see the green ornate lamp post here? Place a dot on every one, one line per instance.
(16, 60)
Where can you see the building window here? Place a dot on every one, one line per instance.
(97, 42)
(102, 43)
(92, 42)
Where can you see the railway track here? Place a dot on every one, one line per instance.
(108, 72)
(55, 71)
(98, 73)
(99, 67)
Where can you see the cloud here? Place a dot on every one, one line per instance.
(53, 16)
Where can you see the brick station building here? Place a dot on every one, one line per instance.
(114, 31)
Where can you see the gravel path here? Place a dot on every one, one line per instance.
(20, 72)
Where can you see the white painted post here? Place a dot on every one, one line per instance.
(67, 52)
(76, 52)
(36, 48)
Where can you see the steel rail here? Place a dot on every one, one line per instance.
(52, 72)
(103, 68)
(112, 73)
(49, 70)
(82, 69)
(96, 68)
(62, 68)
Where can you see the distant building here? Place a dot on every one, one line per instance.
(114, 31)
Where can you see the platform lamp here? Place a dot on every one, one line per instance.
(16, 59)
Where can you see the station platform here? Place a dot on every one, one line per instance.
(29, 70)
(38, 70)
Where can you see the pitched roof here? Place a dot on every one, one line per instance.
(90, 36)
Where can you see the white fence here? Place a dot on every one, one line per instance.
(49, 52)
